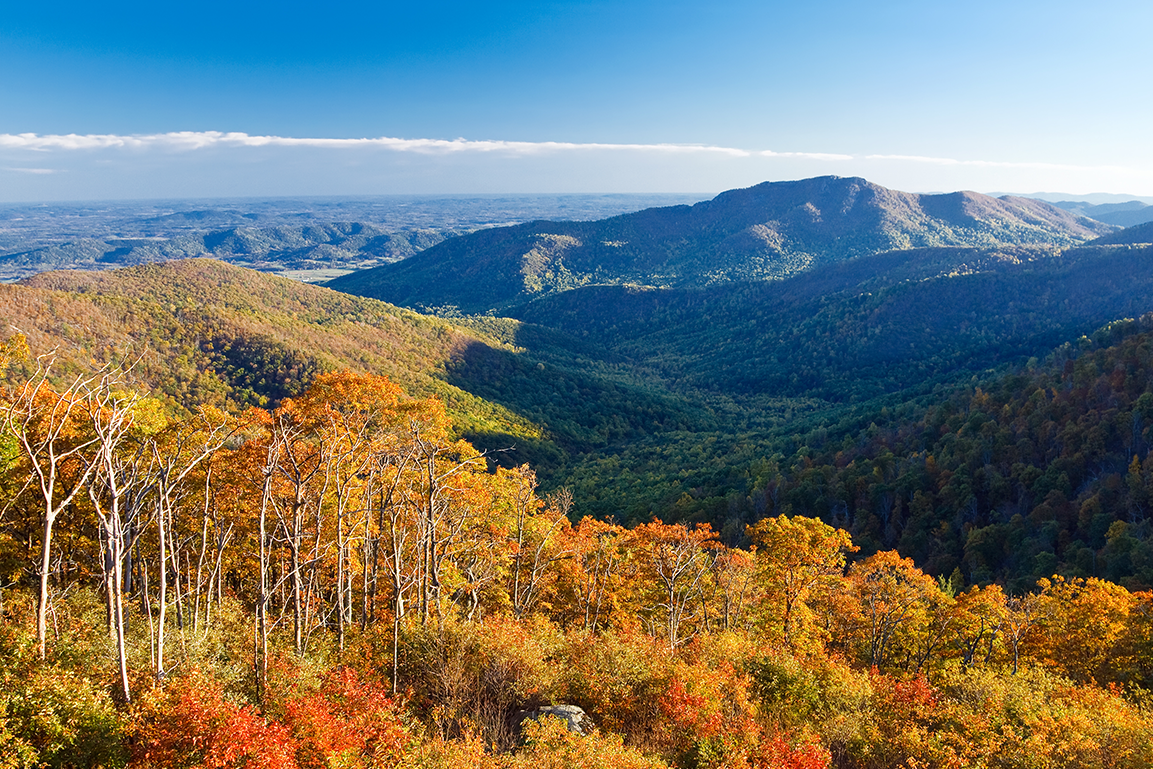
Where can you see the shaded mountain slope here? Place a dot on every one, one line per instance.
(772, 230)
(223, 335)
(863, 328)
(1138, 234)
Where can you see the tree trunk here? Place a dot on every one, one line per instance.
(42, 604)
(162, 561)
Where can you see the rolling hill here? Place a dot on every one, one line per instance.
(214, 333)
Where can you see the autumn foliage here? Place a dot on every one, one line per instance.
(343, 582)
(190, 723)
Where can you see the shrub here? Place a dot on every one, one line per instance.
(52, 715)
(189, 723)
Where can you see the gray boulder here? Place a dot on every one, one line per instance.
(574, 717)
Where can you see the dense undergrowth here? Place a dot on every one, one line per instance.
(723, 699)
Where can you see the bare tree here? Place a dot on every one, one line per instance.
(533, 535)
(116, 486)
(176, 453)
(52, 433)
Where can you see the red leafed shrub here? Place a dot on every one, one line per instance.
(909, 723)
(347, 723)
(189, 723)
(688, 712)
(915, 694)
(779, 753)
(904, 702)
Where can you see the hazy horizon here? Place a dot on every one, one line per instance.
(1092, 198)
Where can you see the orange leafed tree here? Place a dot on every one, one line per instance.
(589, 585)
(675, 562)
(797, 556)
(891, 597)
(1084, 626)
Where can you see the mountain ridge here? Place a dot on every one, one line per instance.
(1127, 214)
(770, 231)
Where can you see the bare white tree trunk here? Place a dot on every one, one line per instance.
(41, 421)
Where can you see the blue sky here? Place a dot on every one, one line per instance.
(135, 99)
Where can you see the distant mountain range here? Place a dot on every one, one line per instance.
(309, 239)
(771, 231)
(1093, 198)
(348, 245)
(1125, 214)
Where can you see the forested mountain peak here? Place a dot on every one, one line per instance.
(770, 231)
(852, 202)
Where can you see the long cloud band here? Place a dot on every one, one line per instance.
(199, 140)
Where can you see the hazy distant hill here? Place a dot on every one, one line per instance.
(772, 230)
(342, 244)
(43, 236)
(212, 218)
(1121, 214)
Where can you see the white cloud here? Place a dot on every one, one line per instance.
(804, 155)
(187, 164)
(195, 140)
(32, 170)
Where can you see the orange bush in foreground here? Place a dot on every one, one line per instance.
(348, 723)
(189, 723)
